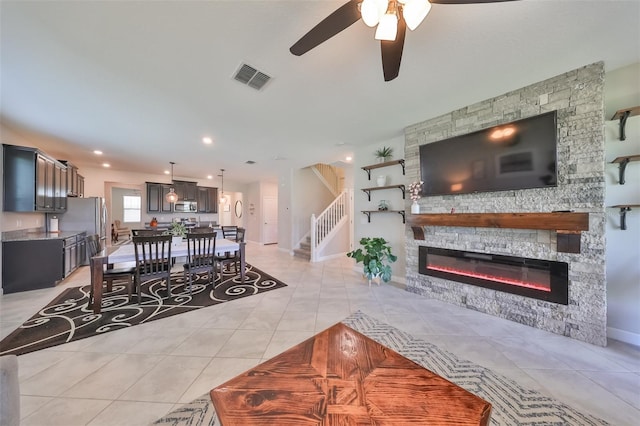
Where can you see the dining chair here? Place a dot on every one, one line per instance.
(232, 258)
(201, 230)
(145, 232)
(153, 260)
(229, 232)
(110, 274)
(201, 249)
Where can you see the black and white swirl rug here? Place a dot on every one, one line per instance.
(68, 317)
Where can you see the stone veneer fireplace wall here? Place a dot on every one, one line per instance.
(578, 97)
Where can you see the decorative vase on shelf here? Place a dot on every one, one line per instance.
(415, 207)
(382, 180)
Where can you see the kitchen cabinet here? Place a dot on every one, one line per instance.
(156, 202)
(187, 191)
(60, 188)
(41, 261)
(32, 181)
(80, 186)
(74, 252)
(72, 178)
(207, 200)
(30, 265)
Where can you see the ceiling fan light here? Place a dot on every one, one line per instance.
(370, 13)
(388, 27)
(414, 12)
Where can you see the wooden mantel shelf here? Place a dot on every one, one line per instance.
(566, 221)
(568, 225)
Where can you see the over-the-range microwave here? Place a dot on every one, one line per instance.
(186, 206)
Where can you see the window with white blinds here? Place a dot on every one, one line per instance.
(132, 208)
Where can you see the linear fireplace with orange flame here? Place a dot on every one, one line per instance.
(539, 279)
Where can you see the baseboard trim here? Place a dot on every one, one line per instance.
(623, 336)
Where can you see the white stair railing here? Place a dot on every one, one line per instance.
(326, 222)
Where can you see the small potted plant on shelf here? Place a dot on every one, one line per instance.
(178, 231)
(376, 257)
(384, 154)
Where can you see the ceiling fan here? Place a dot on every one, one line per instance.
(392, 18)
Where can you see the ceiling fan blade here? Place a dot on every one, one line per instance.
(466, 1)
(392, 52)
(345, 16)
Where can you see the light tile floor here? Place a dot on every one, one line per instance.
(136, 375)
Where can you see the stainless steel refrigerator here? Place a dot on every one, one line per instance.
(85, 214)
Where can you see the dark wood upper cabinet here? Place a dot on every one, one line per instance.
(32, 181)
(207, 199)
(187, 191)
(156, 202)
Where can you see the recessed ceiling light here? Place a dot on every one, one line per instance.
(97, 152)
(106, 165)
(209, 177)
(207, 140)
(349, 158)
(166, 172)
(279, 157)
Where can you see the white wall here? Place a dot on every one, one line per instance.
(311, 197)
(622, 90)
(386, 225)
(253, 207)
(285, 211)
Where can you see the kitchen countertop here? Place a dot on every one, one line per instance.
(41, 235)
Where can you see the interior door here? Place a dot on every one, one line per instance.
(270, 220)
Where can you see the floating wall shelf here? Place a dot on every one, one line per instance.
(385, 164)
(568, 225)
(623, 161)
(622, 115)
(368, 213)
(377, 188)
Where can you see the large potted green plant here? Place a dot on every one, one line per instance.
(376, 257)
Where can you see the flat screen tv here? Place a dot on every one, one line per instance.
(511, 156)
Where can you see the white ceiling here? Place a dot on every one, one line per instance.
(144, 81)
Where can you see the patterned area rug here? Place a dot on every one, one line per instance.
(68, 318)
(511, 403)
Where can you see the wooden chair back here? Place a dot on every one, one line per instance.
(202, 249)
(93, 245)
(230, 232)
(153, 258)
(145, 232)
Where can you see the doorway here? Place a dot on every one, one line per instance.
(269, 220)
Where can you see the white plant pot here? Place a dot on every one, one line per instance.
(382, 180)
(175, 241)
(415, 208)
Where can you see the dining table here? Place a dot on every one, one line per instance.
(126, 253)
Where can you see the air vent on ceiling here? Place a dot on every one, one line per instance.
(250, 76)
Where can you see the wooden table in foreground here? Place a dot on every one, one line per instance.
(341, 377)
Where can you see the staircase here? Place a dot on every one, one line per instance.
(304, 252)
(332, 221)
